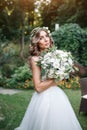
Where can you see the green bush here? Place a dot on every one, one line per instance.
(22, 73)
(8, 70)
(2, 81)
(18, 79)
(72, 37)
(9, 59)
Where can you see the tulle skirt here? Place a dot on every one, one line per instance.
(49, 110)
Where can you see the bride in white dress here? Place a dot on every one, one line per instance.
(49, 108)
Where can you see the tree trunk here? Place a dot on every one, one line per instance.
(22, 37)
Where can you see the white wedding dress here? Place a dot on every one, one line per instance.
(49, 110)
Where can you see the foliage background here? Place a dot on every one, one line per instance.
(19, 17)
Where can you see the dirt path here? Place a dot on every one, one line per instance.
(8, 91)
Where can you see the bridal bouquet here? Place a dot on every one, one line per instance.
(56, 64)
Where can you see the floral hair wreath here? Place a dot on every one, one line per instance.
(37, 29)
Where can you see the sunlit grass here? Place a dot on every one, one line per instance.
(13, 107)
(75, 97)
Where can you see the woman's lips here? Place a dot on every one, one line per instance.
(47, 44)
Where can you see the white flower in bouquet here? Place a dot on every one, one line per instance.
(57, 64)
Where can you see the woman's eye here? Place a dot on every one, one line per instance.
(41, 38)
(47, 35)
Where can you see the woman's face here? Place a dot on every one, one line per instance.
(44, 41)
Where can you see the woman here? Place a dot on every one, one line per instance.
(49, 108)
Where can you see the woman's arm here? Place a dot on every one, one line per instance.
(36, 72)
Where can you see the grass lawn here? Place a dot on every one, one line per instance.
(13, 107)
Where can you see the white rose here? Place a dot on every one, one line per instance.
(70, 61)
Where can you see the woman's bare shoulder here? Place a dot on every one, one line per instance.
(34, 62)
(34, 58)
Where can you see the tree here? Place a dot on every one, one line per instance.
(25, 6)
(73, 12)
(81, 13)
(6, 8)
(49, 12)
(64, 11)
(15, 16)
